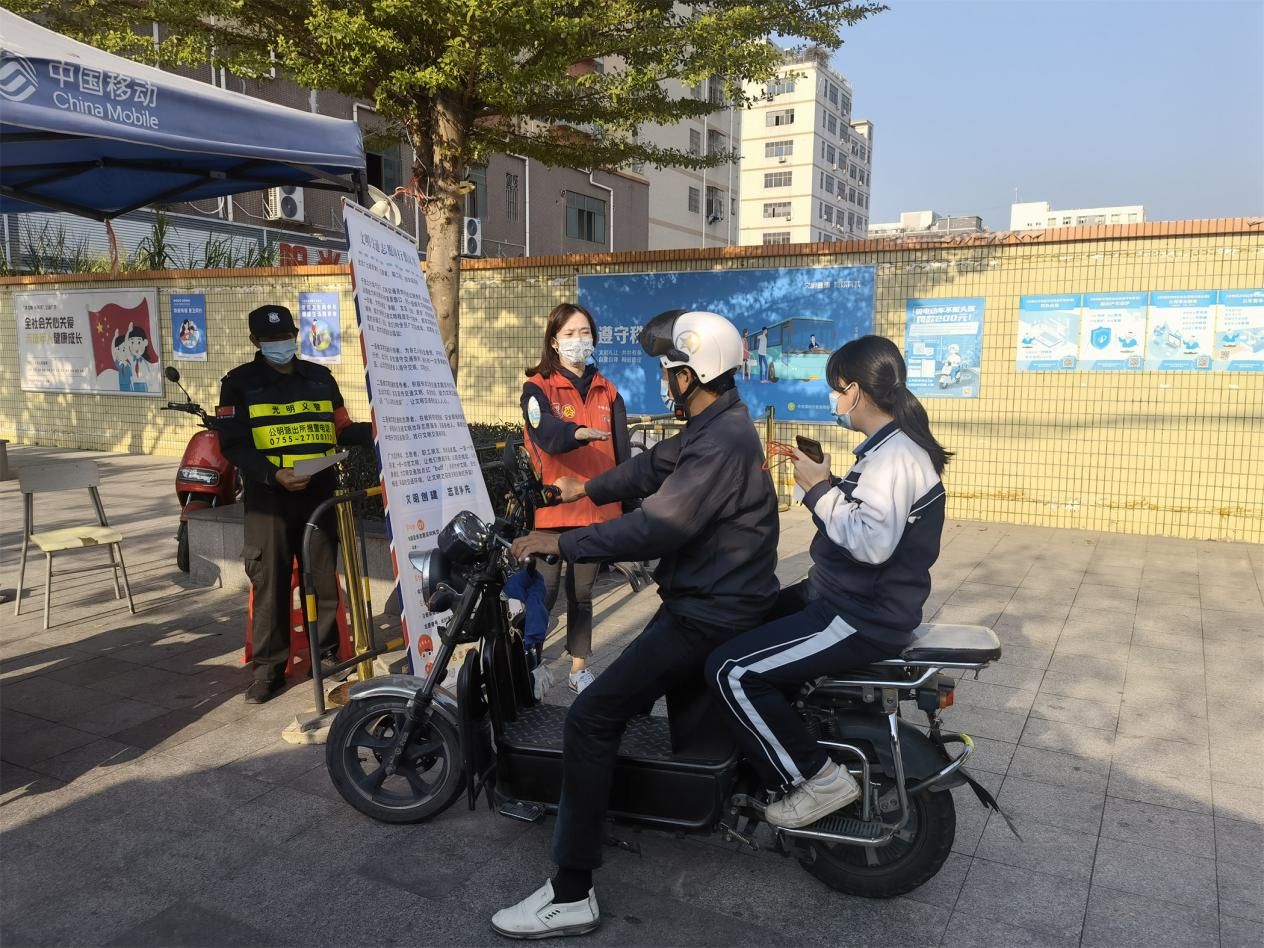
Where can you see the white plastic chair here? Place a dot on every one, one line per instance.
(67, 475)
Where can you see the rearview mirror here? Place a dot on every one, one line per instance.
(172, 374)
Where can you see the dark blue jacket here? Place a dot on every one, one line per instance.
(878, 533)
(709, 514)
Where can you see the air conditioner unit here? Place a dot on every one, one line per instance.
(781, 160)
(284, 203)
(472, 237)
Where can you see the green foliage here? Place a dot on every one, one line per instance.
(49, 249)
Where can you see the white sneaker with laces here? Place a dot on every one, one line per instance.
(580, 680)
(538, 916)
(831, 789)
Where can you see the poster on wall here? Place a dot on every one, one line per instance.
(943, 346)
(1112, 328)
(188, 327)
(1048, 333)
(320, 327)
(1239, 334)
(1179, 329)
(791, 319)
(429, 467)
(102, 342)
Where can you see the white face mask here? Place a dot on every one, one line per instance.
(575, 351)
(843, 418)
(279, 351)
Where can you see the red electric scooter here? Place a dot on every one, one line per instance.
(206, 478)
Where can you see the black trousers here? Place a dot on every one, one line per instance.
(669, 653)
(580, 578)
(274, 524)
(754, 673)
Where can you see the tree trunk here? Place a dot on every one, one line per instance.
(444, 224)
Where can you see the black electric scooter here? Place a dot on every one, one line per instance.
(403, 749)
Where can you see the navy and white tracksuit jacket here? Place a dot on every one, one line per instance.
(878, 533)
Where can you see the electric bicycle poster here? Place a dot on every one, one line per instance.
(1239, 334)
(1049, 333)
(425, 453)
(943, 346)
(1112, 331)
(90, 342)
(1179, 330)
(188, 326)
(790, 319)
(320, 327)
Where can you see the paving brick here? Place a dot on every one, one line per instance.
(1059, 770)
(1155, 873)
(1043, 848)
(1070, 739)
(1034, 900)
(1102, 714)
(1165, 788)
(1238, 802)
(1076, 810)
(1240, 933)
(966, 930)
(1160, 827)
(1116, 919)
(1241, 890)
(1241, 844)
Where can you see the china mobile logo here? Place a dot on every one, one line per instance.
(17, 78)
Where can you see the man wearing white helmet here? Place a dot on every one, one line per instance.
(710, 515)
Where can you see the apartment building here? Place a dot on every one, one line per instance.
(806, 161)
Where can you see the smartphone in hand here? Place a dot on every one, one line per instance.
(811, 448)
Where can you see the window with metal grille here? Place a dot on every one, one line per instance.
(695, 200)
(778, 86)
(776, 237)
(777, 209)
(779, 117)
(778, 149)
(777, 179)
(511, 197)
(695, 142)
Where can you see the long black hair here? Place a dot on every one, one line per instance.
(876, 364)
(550, 362)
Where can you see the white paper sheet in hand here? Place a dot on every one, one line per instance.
(310, 466)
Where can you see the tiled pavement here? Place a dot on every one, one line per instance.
(143, 804)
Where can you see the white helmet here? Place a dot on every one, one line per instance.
(705, 342)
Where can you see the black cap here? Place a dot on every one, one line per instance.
(271, 321)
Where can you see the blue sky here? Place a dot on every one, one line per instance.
(1081, 104)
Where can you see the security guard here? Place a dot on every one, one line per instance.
(273, 412)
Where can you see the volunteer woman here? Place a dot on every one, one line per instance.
(575, 426)
(878, 532)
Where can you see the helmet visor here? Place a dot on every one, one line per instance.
(658, 340)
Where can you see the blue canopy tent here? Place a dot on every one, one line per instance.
(94, 134)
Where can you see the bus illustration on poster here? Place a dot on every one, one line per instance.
(1112, 332)
(1179, 329)
(1049, 333)
(790, 319)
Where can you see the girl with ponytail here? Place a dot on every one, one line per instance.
(878, 533)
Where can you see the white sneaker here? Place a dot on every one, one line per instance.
(814, 799)
(538, 916)
(580, 680)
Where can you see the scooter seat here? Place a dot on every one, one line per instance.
(951, 644)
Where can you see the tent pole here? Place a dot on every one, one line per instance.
(361, 187)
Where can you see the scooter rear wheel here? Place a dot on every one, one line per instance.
(428, 779)
(913, 857)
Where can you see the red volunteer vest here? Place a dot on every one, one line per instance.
(596, 457)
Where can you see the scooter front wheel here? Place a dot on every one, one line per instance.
(182, 547)
(428, 779)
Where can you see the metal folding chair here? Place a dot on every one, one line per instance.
(67, 475)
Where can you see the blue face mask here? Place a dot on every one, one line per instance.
(279, 351)
(843, 418)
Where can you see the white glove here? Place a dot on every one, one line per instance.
(541, 681)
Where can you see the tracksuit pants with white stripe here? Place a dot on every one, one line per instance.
(755, 675)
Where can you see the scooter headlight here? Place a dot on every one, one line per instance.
(433, 568)
(464, 539)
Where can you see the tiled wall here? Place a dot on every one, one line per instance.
(1175, 454)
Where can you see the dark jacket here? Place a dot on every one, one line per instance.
(878, 533)
(709, 514)
(309, 389)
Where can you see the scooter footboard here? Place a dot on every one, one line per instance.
(650, 785)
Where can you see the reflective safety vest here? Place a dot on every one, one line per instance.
(596, 457)
(288, 432)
